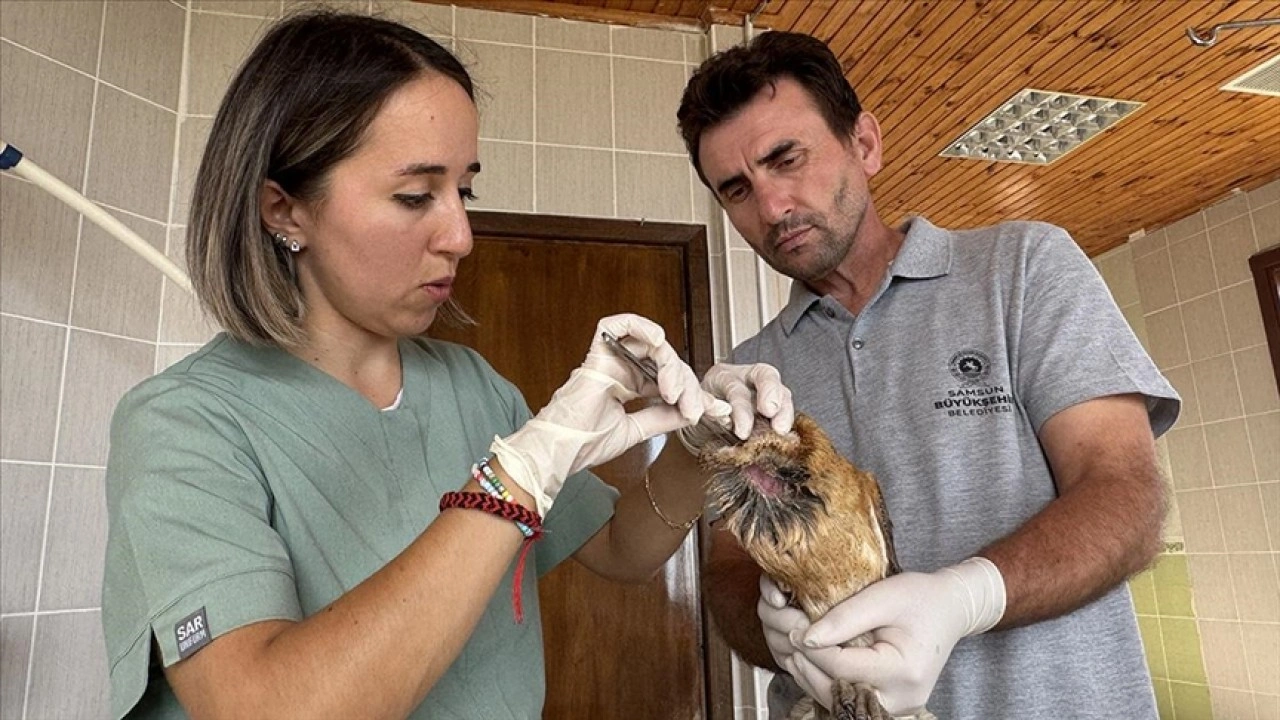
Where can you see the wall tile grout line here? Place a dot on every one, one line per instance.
(1235, 368)
(1164, 650)
(79, 328)
(1253, 449)
(99, 203)
(47, 613)
(224, 13)
(38, 463)
(689, 174)
(533, 94)
(1206, 294)
(1199, 616)
(184, 94)
(136, 96)
(44, 542)
(130, 213)
(78, 71)
(1187, 365)
(570, 51)
(613, 124)
(62, 381)
(1235, 601)
(597, 148)
(1186, 345)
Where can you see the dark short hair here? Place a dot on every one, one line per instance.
(300, 104)
(730, 79)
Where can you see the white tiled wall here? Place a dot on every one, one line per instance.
(1188, 292)
(90, 92)
(116, 97)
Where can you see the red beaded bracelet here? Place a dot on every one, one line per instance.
(519, 514)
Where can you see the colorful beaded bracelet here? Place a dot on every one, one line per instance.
(487, 479)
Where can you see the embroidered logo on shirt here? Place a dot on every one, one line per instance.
(192, 633)
(970, 367)
(974, 396)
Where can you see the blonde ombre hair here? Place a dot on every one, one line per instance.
(298, 105)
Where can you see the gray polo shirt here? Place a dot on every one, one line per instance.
(939, 388)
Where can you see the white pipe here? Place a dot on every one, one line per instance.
(29, 170)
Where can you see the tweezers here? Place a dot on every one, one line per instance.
(650, 370)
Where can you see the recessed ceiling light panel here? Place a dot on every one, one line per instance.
(1038, 127)
(1262, 80)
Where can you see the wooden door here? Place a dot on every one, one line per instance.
(536, 286)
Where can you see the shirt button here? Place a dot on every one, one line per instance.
(828, 312)
(857, 343)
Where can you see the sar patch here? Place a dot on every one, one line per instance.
(970, 367)
(192, 633)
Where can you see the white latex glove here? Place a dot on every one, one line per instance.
(752, 389)
(915, 619)
(781, 623)
(585, 423)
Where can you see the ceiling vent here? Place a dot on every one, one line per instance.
(1038, 127)
(1262, 80)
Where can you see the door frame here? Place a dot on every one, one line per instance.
(1265, 266)
(692, 242)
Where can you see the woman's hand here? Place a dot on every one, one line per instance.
(585, 423)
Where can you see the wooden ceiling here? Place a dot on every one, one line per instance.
(930, 69)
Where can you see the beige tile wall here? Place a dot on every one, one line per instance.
(90, 92)
(575, 119)
(1166, 619)
(1200, 320)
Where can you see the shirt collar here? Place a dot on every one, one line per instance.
(802, 298)
(925, 253)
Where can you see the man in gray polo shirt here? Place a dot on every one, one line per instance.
(988, 381)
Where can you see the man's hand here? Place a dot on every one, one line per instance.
(778, 621)
(751, 390)
(780, 624)
(914, 619)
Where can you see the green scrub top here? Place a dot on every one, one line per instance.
(245, 485)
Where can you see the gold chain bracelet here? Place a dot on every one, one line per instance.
(648, 490)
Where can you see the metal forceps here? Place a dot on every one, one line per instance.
(650, 370)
